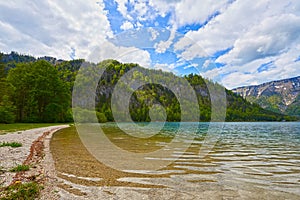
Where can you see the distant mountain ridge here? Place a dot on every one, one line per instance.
(19, 58)
(282, 96)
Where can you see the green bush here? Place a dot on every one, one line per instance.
(88, 116)
(26, 191)
(10, 144)
(20, 168)
(101, 117)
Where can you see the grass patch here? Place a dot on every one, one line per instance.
(10, 144)
(5, 128)
(20, 168)
(20, 191)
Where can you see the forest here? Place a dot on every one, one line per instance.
(40, 90)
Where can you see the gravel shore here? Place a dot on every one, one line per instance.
(34, 152)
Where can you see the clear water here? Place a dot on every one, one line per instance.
(245, 160)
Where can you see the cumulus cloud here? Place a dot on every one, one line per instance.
(162, 46)
(154, 33)
(256, 32)
(206, 64)
(52, 27)
(184, 11)
(107, 50)
(273, 36)
(281, 67)
(122, 7)
(190, 11)
(126, 25)
(140, 10)
(233, 21)
(165, 67)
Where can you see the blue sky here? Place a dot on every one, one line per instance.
(234, 42)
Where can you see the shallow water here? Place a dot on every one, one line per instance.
(239, 161)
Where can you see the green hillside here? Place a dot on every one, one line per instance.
(40, 90)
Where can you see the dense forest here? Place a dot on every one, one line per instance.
(40, 90)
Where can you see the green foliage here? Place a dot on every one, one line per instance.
(25, 191)
(101, 117)
(10, 144)
(243, 110)
(272, 103)
(68, 71)
(7, 111)
(20, 168)
(294, 108)
(88, 116)
(83, 115)
(150, 94)
(37, 89)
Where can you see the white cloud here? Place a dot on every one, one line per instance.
(165, 67)
(234, 76)
(134, 55)
(184, 11)
(236, 20)
(107, 50)
(258, 32)
(126, 25)
(222, 31)
(122, 7)
(192, 52)
(192, 65)
(273, 36)
(140, 10)
(153, 33)
(240, 79)
(283, 66)
(188, 11)
(191, 11)
(52, 27)
(206, 64)
(162, 46)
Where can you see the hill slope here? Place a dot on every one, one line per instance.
(238, 109)
(282, 96)
(144, 97)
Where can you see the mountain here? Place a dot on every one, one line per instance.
(282, 96)
(13, 58)
(142, 100)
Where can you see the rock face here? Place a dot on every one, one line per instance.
(280, 96)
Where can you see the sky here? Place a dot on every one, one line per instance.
(233, 42)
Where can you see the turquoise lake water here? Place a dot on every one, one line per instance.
(239, 160)
(264, 148)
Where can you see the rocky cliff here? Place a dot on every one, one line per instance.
(280, 96)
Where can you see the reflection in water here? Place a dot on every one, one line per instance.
(249, 160)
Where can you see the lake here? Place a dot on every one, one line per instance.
(196, 161)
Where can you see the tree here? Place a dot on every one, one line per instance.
(7, 111)
(4, 87)
(38, 92)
